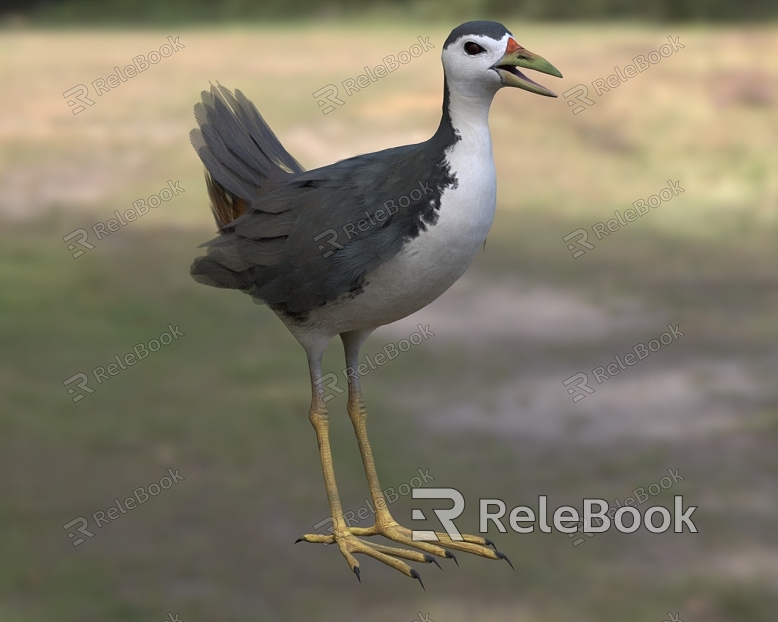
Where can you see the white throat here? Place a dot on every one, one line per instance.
(469, 112)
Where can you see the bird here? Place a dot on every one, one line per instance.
(336, 251)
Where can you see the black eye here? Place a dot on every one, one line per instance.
(473, 48)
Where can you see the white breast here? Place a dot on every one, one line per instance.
(433, 261)
(429, 264)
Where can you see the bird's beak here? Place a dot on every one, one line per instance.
(517, 56)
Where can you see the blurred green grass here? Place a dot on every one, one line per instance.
(145, 12)
(227, 403)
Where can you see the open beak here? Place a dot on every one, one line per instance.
(517, 56)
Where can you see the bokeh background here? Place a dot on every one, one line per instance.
(481, 406)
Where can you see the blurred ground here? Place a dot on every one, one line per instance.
(481, 405)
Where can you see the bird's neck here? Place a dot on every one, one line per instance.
(466, 117)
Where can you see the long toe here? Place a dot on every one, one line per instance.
(392, 556)
(469, 544)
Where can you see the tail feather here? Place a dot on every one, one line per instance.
(243, 158)
(225, 205)
(262, 134)
(209, 272)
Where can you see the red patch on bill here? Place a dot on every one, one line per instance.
(512, 46)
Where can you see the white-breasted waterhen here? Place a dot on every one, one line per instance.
(337, 251)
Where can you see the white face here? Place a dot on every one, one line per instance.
(469, 62)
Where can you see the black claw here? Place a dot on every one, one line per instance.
(356, 572)
(450, 555)
(299, 540)
(416, 576)
(505, 557)
(431, 560)
(490, 543)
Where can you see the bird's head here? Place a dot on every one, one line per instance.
(482, 57)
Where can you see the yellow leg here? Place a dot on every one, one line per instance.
(385, 525)
(347, 542)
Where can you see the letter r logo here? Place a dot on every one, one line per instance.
(446, 517)
(327, 95)
(582, 241)
(81, 385)
(580, 389)
(332, 379)
(82, 530)
(333, 241)
(82, 236)
(330, 527)
(80, 92)
(580, 91)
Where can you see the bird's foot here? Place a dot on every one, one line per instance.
(475, 545)
(351, 545)
(350, 542)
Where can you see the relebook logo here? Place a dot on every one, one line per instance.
(597, 517)
(566, 513)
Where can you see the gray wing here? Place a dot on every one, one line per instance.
(321, 232)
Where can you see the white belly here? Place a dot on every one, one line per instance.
(430, 263)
